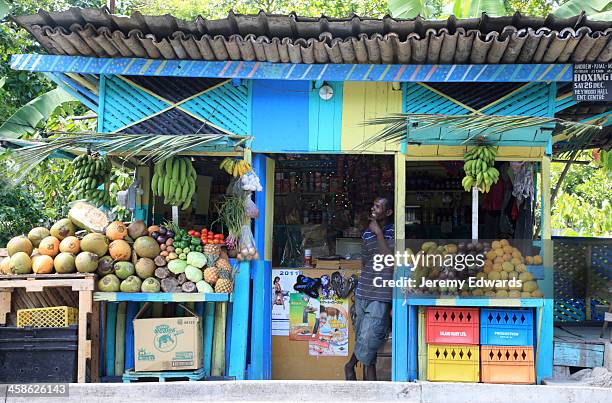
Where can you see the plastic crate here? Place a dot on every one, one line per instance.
(506, 327)
(506, 364)
(31, 355)
(453, 363)
(56, 316)
(446, 325)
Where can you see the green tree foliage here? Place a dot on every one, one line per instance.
(600, 10)
(20, 210)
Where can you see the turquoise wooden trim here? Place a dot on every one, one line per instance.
(160, 297)
(552, 96)
(608, 122)
(240, 322)
(132, 310)
(73, 93)
(325, 119)
(207, 334)
(109, 339)
(564, 103)
(582, 355)
(544, 347)
(399, 331)
(290, 71)
(476, 302)
(101, 102)
(78, 87)
(249, 105)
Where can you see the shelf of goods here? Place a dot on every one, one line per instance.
(81, 283)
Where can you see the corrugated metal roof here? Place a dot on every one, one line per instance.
(293, 39)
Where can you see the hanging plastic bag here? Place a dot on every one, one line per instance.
(246, 245)
(250, 209)
(250, 182)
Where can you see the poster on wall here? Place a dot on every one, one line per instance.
(282, 287)
(331, 334)
(304, 317)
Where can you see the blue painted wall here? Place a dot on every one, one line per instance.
(325, 126)
(280, 115)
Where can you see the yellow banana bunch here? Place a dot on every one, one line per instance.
(479, 169)
(236, 168)
(174, 179)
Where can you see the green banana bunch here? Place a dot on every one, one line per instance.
(174, 179)
(91, 172)
(479, 169)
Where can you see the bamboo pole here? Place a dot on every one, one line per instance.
(218, 356)
(120, 339)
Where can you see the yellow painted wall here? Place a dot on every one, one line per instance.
(362, 102)
(457, 152)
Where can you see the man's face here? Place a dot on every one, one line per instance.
(379, 210)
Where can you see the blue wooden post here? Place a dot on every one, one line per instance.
(132, 310)
(399, 356)
(239, 322)
(413, 340)
(261, 331)
(544, 347)
(109, 339)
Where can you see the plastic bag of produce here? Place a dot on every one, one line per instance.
(87, 216)
(246, 245)
(250, 209)
(250, 182)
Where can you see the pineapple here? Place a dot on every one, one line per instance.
(224, 284)
(211, 275)
(212, 249)
(224, 265)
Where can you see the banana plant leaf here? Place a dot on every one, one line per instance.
(599, 10)
(27, 118)
(407, 8)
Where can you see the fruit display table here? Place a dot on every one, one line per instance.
(78, 282)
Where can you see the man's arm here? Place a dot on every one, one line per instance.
(383, 247)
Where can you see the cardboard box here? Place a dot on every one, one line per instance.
(168, 344)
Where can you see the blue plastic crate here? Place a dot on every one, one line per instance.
(506, 327)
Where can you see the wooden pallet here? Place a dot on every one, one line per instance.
(161, 376)
(84, 284)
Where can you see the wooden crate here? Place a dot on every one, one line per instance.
(78, 282)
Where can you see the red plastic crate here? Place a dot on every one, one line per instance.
(446, 325)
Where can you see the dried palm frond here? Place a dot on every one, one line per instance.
(398, 127)
(139, 147)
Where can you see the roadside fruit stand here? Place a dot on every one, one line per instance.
(331, 113)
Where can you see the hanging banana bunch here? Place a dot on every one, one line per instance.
(479, 169)
(236, 168)
(174, 179)
(91, 171)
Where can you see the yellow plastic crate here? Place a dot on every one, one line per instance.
(56, 316)
(453, 363)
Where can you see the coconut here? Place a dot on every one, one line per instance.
(120, 250)
(64, 263)
(70, 244)
(42, 264)
(109, 283)
(131, 284)
(49, 246)
(20, 263)
(145, 267)
(63, 228)
(151, 284)
(95, 243)
(116, 230)
(136, 229)
(124, 269)
(86, 216)
(105, 266)
(37, 234)
(19, 243)
(86, 262)
(5, 265)
(145, 246)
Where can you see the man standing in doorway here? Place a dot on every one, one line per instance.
(372, 303)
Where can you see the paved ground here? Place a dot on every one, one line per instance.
(333, 391)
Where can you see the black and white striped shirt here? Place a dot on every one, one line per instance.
(366, 288)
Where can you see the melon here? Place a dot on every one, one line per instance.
(20, 243)
(137, 229)
(20, 263)
(49, 246)
(37, 234)
(5, 265)
(120, 250)
(109, 283)
(86, 262)
(62, 229)
(105, 266)
(95, 243)
(64, 263)
(42, 264)
(145, 267)
(145, 246)
(70, 244)
(116, 230)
